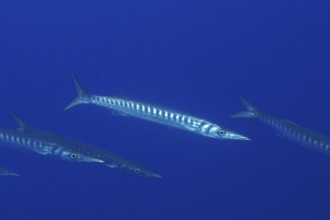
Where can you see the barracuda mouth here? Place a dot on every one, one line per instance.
(154, 175)
(96, 160)
(236, 136)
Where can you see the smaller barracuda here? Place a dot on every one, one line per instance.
(153, 113)
(5, 172)
(52, 144)
(287, 129)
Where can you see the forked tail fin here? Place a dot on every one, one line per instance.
(82, 96)
(250, 110)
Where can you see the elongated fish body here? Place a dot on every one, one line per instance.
(287, 129)
(153, 113)
(55, 145)
(98, 155)
(6, 172)
(28, 142)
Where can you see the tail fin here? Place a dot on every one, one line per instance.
(251, 111)
(82, 96)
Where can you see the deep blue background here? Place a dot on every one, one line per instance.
(195, 56)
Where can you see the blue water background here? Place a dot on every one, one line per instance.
(194, 56)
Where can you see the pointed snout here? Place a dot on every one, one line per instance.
(236, 136)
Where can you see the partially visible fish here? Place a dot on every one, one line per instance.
(5, 172)
(52, 144)
(128, 107)
(287, 129)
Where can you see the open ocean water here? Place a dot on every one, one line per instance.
(194, 56)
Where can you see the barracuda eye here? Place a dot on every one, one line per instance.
(136, 170)
(222, 132)
(73, 156)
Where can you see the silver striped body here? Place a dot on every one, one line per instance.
(157, 114)
(52, 144)
(99, 155)
(286, 128)
(297, 133)
(45, 144)
(28, 141)
(152, 113)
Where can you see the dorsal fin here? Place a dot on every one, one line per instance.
(290, 122)
(21, 124)
(122, 97)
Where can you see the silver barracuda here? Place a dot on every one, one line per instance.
(285, 128)
(6, 172)
(52, 144)
(128, 107)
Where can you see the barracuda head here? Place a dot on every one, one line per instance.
(143, 172)
(222, 133)
(78, 157)
(133, 169)
(235, 136)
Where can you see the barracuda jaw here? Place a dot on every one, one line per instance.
(153, 175)
(235, 136)
(94, 160)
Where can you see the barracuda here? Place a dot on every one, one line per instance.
(52, 144)
(6, 172)
(287, 129)
(153, 113)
